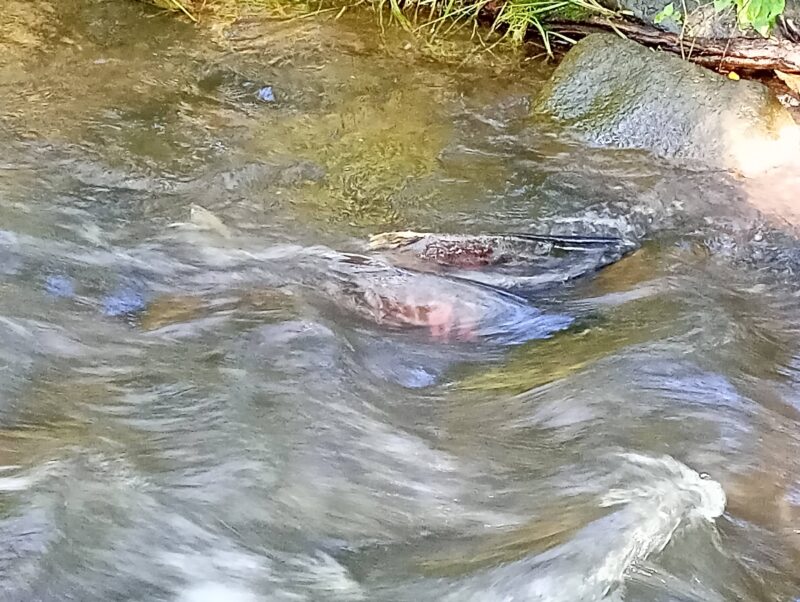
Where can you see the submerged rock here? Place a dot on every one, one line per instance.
(614, 92)
(59, 286)
(122, 302)
(266, 94)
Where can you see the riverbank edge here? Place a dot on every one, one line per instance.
(773, 62)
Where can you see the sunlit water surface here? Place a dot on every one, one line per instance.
(189, 412)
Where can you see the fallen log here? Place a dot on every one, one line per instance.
(731, 54)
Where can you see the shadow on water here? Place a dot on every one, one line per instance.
(211, 406)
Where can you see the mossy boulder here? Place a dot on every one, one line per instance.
(616, 93)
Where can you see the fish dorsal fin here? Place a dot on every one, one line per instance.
(394, 240)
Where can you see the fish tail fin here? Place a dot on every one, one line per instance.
(573, 241)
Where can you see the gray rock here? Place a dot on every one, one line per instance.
(697, 17)
(616, 93)
(788, 24)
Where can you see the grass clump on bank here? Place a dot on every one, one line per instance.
(509, 19)
(197, 10)
(513, 19)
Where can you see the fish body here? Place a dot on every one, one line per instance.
(515, 261)
(449, 309)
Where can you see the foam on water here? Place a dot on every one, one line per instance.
(215, 592)
(653, 499)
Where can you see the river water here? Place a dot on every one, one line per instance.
(179, 424)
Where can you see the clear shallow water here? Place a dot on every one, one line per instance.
(197, 414)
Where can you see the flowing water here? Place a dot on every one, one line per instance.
(196, 406)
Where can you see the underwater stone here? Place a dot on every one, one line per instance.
(266, 94)
(59, 286)
(123, 301)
